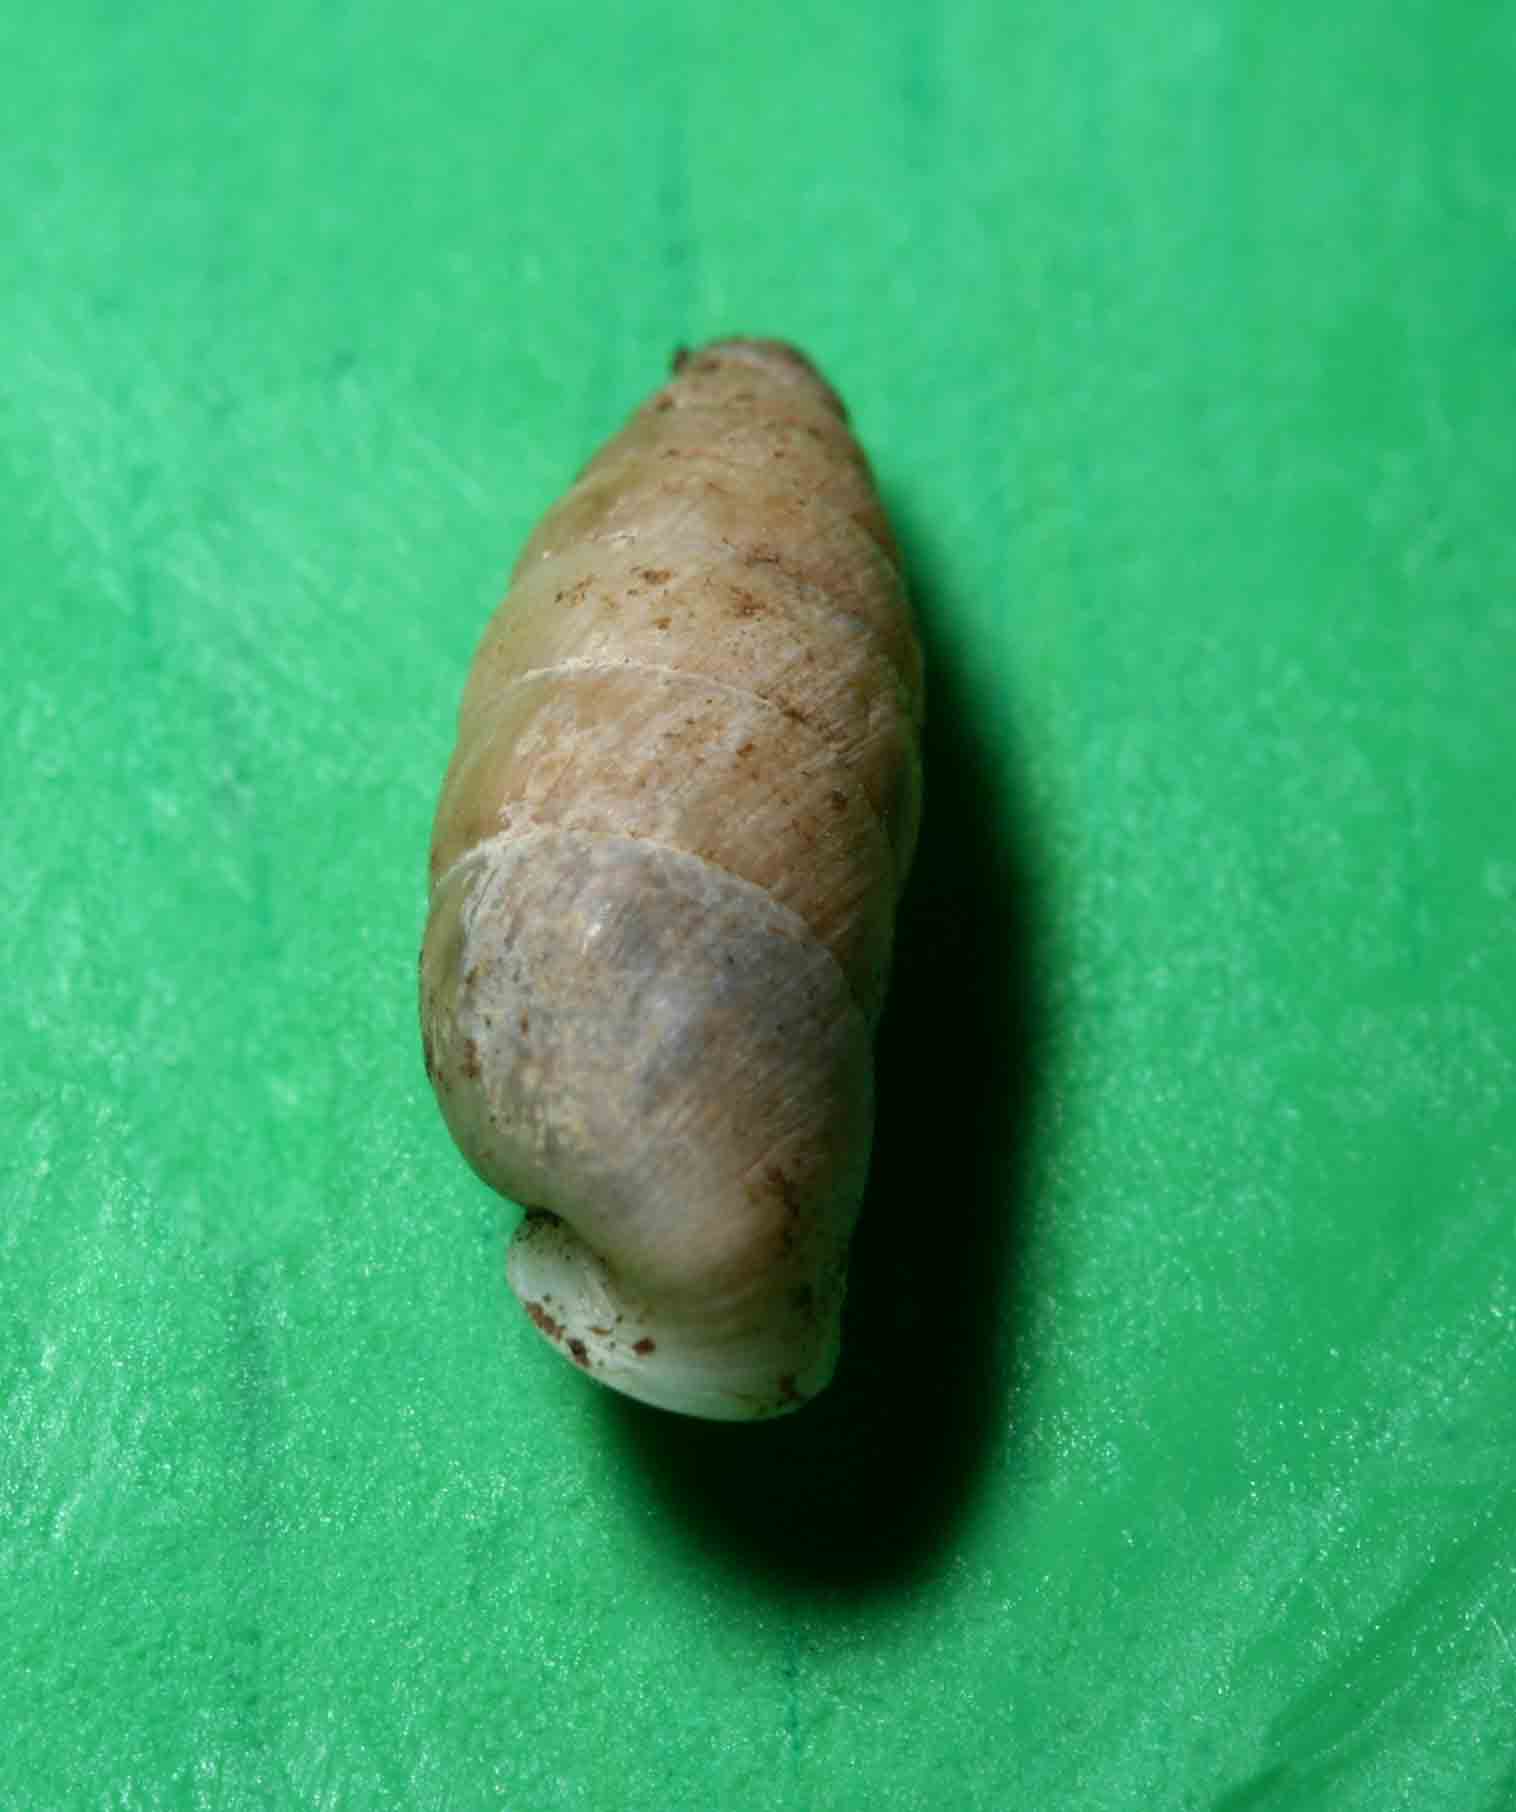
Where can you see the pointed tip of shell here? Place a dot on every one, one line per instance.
(571, 1298)
(778, 359)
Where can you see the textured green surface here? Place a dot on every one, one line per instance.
(1174, 1462)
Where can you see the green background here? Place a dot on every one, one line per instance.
(1173, 1461)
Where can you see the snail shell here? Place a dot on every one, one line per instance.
(664, 872)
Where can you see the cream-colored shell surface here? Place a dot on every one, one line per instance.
(664, 872)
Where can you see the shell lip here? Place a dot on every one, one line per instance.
(573, 1301)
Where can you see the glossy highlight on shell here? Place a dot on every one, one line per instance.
(664, 872)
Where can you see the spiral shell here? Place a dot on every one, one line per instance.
(665, 865)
